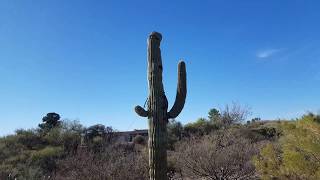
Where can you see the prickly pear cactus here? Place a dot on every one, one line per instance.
(157, 111)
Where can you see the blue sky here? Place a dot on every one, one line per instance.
(86, 60)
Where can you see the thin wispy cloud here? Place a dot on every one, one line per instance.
(267, 53)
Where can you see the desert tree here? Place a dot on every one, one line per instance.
(51, 120)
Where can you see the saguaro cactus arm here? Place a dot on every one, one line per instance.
(140, 111)
(181, 91)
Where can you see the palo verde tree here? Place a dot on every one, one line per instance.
(157, 108)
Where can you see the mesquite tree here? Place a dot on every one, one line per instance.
(157, 111)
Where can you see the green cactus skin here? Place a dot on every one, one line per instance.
(157, 112)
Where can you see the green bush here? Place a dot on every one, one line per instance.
(29, 138)
(199, 128)
(46, 158)
(297, 153)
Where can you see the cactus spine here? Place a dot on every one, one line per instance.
(157, 111)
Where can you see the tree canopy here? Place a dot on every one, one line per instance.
(50, 121)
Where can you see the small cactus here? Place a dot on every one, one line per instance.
(157, 111)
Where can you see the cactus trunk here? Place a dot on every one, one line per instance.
(157, 112)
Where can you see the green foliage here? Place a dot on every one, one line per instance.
(15, 153)
(94, 131)
(32, 154)
(29, 138)
(268, 162)
(71, 136)
(47, 152)
(291, 150)
(265, 132)
(98, 136)
(51, 120)
(200, 127)
(46, 158)
(214, 115)
(297, 153)
(53, 137)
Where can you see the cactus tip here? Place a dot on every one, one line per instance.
(182, 63)
(155, 35)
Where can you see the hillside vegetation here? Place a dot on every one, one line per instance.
(222, 146)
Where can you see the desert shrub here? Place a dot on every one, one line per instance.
(46, 158)
(98, 137)
(71, 142)
(94, 131)
(173, 170)
(71, 136)
(233, 114)
(32, 154)
(268, 132)
(17, 158)
(223, 155)
(262, 133)
(175, 133)
(114, 163)
(72, 126)
(139, 140)
(226, 117)
(53, 137)
(97, 144)
(29, 138)
(199, 128)
(297, 153)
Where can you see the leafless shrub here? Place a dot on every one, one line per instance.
(233, 114)
(113, 163)
(224, 155)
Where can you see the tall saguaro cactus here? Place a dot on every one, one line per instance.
(157, 111)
